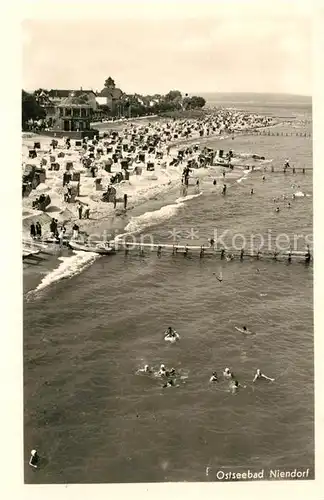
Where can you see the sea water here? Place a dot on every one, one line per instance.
(92, 322)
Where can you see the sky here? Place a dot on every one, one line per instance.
(153, 48)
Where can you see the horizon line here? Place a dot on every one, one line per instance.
(189, 92)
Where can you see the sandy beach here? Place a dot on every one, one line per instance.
(173, 136)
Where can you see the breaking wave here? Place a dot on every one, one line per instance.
(69, 266)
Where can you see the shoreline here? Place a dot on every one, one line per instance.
(155, 192)
(140, 198)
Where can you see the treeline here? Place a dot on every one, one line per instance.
(30, 109)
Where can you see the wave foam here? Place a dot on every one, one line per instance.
(148, 219)
(188, 197)
(300, 194)
(70, 266)
(137, 224)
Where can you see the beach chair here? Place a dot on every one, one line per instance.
(32, 153)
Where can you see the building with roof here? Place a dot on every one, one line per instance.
(108, 97)
(58, 95)
(74, 115)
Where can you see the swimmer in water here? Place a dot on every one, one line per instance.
(214, 377)
(146, 369)
(168, 383)
(170, 332)
(252, 191)
(263, 178)
(162, 371)
(289, 205)
(227, 373)
(260, 375)
(172, 372)
(214, 182)
(219, 277)
(235, 385)
(277, 209)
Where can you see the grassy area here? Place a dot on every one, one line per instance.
(185, 114)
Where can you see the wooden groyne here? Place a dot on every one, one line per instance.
(268, 168)
(227, 254)
(279, 134)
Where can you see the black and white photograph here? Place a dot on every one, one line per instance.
(167, 244)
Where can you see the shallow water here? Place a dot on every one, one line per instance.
(94, 419)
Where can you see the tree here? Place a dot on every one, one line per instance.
(173, 95)
(42, 97)
(30, 108)
(196, 102)
(110, 83)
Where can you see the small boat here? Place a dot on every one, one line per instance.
(100, 248)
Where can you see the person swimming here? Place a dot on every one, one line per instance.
(162, 371)
(214, 377)
(277, 209)
(235, 385)
(260, 375)
(168, 383)
(228, 374)
(171, 334)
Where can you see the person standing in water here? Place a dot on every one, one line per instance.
(214, 182)
(125, 201)
(224, 189)
(34, 459)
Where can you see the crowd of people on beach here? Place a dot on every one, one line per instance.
(117, 155)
